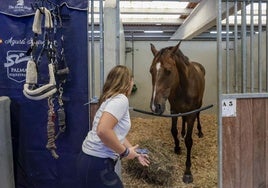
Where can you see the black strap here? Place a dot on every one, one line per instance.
(174, 115)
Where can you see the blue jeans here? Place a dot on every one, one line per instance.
(95, 172)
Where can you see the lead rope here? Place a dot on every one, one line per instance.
(51, 130)
(51, 146)
(61, 114)
(62, 72)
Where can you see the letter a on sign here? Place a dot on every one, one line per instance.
(229, 108)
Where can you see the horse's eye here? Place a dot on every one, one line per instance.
(167, 71)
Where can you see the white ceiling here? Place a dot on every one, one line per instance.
(171, 19)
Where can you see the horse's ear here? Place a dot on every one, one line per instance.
(154, 51)
(175, 48)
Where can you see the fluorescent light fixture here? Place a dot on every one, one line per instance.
(150, 16)
(148, 4)
(223, 32)
(153, 4)
(94, 31)
(213, 32)
(153, 31)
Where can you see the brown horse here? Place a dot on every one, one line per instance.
(182, 83)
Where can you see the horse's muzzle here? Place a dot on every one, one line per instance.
(158, 109)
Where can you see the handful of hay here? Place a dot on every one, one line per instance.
(161, 165)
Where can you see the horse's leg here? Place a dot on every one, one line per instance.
(188, 177)
(183, 127)
(174, 132)
(200, 133)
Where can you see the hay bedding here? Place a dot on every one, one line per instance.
(167, 168)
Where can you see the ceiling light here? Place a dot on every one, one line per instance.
(94, 31)
(153, 31)
(223, 32)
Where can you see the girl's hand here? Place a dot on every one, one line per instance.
(144, 159)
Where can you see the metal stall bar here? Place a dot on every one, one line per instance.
(132, 53)
(101, 45)
(92, 57)
(259, 45)
(235, 47)
(93, 103)
(227, 49)
(219, 79)
(267, 46)
(244, 47)
(117, 32)
(251, 46)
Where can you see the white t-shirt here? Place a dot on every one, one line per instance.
(118, 106)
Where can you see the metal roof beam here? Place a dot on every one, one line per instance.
(201, 19)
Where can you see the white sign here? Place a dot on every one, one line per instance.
(229, 108)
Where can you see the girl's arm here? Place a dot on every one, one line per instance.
(108, 137)
(127, 143)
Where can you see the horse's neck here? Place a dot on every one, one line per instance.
(182, 72)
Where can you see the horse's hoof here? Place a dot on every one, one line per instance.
(177, 150)
(188, 178)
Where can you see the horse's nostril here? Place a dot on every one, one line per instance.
(158, 108)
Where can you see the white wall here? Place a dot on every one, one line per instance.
(204, 52)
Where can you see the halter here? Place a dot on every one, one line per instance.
(30, 89)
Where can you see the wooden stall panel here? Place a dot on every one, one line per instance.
(259, 126)
(230, 143)
(245, 112)
(245, 150)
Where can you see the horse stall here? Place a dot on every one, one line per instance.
(243, 99)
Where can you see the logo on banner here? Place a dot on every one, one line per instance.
(16, 65)
(20, 3)
(19, 7)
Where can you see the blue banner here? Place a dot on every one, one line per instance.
(33, 164)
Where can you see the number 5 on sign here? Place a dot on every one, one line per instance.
(229, 108)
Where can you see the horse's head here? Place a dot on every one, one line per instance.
(164, 76)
